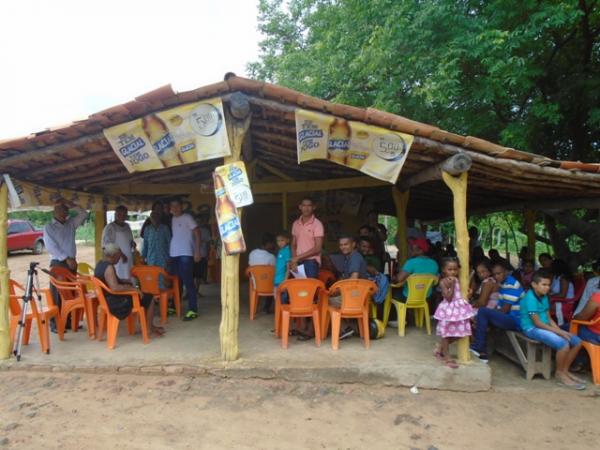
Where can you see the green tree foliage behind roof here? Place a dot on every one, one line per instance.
(523, 73)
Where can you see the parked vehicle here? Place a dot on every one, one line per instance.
(23, 236)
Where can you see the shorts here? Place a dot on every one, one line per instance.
(551, 339)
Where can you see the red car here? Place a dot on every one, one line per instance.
(23, 236)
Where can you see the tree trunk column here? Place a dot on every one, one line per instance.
(458, 186)
(401, 201)
(4, 275)
(530, 230)
(99, 224)
(230, 264)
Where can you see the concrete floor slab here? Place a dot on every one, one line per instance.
(193, 347)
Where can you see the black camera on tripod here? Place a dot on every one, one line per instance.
(32, 265)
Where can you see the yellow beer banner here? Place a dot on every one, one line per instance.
(374, 151)
(28, 195)
(185, 134)
(236, 181)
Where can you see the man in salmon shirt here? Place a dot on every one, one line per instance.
(307, 239)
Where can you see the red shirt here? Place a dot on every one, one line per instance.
(305, 234)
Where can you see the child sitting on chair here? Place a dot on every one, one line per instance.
(453, 313)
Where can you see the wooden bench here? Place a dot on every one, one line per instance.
(533, 356)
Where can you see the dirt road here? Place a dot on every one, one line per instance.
(71, 411)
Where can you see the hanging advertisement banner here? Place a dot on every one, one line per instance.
(28, 195)
(228, 220)
(374, 151)
(236, 182)
(182, 135)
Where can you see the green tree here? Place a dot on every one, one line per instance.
(524, 73)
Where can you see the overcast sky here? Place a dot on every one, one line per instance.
(62, 60)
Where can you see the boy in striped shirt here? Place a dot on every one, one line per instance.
(505, 316)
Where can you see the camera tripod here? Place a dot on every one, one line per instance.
(32, 284)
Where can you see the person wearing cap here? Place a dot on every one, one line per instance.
(121, 306)
(418, 264)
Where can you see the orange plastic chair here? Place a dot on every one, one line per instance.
(592, 349)
(62, 274)
(42, 317)
(356, 295)
(327, 277)
(72, 302)
(301, 294)
(149, 277)
(260, 284)
(111, 322)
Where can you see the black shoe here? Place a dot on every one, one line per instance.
(346, 333)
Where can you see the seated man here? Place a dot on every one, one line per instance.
(365, 248)
(264, 255)
(506, 316)
(418, 264)
(349, 265)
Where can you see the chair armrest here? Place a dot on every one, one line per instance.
(49, 298)
(586, 322)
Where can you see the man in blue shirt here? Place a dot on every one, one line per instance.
(505, 316)
(418, 264)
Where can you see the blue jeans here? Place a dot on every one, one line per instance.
(311, 267)
(495, 318)
(589, 336)
(551, 339)
(183, 267)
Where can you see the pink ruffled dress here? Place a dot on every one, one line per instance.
(453, 316)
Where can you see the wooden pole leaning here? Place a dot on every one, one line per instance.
(5, 346)
(401, 202)
(530, 230)
(230, 264)
(99, 224)
(458, 186)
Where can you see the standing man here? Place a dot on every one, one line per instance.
(59, 239)
(307, 239)
(119, 233)
(184, 252)
(506, 316)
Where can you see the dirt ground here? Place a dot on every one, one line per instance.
(58, 410)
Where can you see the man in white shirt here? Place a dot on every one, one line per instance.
(119, 233)
(59, 239)
(263, 256)
(184, 252)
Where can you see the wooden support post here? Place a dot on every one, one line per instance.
(458, 186)
(284, 210)
(401, 202)
(230, 264)
(530, 230)
(99, 224)
(4, 275)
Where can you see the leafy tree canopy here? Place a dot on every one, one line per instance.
(523, 73)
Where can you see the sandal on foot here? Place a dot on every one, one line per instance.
(451, 363)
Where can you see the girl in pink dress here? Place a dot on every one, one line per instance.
(453, 313)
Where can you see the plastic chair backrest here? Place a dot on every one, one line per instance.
(100, 288)
(355, 294)
(262, 276)
(418, 287)
(14, 305)
(578, 286)
(301, 292)
(68, 290)
(85, 269)
(327, 277)
(62, 273)
(148, 277)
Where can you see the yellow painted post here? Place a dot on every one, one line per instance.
(230, 264)
(458, 186)
(284, 210)
(530, 229)
(99, 224)
(4, 275)
(401, 201)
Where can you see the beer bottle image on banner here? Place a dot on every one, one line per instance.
(339, 141)
(230, 227)
(161, 140)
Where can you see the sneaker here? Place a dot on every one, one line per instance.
(474, 351)
(346, 333)
(190, 315)
(483, 356)
(171, 311)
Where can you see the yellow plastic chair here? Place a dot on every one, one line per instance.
(418, 287)
(387, 305)
(85, 269)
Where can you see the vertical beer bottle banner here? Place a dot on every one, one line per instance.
(230, 227)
